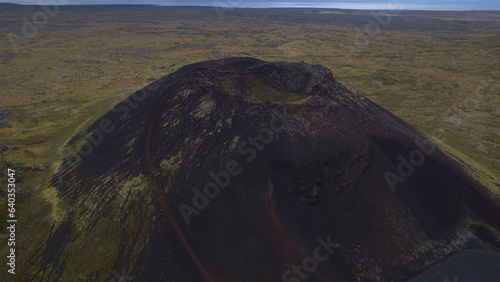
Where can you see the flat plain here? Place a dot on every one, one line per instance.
(438, 71)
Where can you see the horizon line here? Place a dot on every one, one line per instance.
(272, 7)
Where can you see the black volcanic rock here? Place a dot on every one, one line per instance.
(243, 170)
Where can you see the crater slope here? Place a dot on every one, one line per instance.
(244, 170)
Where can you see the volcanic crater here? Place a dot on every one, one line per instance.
(245, 170)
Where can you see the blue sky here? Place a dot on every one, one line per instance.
(343, 4)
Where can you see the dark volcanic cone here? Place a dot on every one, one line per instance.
(243, 170)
